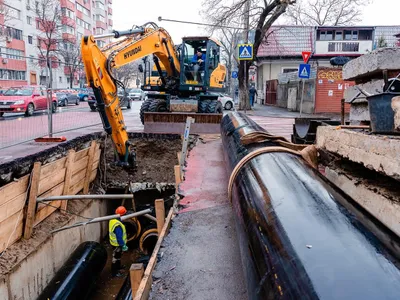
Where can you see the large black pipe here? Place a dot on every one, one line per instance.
(77, 276)
(300, 238)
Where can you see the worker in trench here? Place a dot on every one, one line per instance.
(117, 234)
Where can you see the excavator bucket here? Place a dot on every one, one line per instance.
(167, 122)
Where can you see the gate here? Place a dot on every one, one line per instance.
(270, 92)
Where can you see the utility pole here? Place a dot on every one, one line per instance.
(246, 40)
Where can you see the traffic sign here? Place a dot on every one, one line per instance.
(306, 56)
(304, 71)
(245, 51)
(234, 74)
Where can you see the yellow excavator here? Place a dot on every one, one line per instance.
(188, 85)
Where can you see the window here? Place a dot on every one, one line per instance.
(31, 58)
(355, 35)
(68, 29)
(12, 53)
(37, 24)
(289, 70)
(12, 75)
(100, 30)
(60, 79)
(29, 20)
(82, 23)
(14, 33)
(82, 9)
(100, 18)
(30, 39)
(348, 35)
(99, 5)
(339, 36)
(12, 12)
(68, 80)
(67, 13)
(326, 36)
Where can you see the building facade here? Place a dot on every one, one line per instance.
(20, 55)
(281, 52)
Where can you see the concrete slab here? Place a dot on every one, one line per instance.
(383, 203)
(372, 87)
(369, 65)
(3, 289)
(376, 152)
(359, 112)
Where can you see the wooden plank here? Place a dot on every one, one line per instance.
(178, 154)
(11, 207)
(55, 191)
(177, 171)
(76, 188)
(46, 211)
(89, 167)
(93, 176)
(50, 182)
(14, 189)
(48, 169)
(160, 214)
(78, 177)
(145, 284)
(97, 155)
(8, 235)
(81, 154)
(136, 271)
(30, 214)
(68, 176)
(95, 165)
(80, 165)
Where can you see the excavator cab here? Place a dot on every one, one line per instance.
(200, 58)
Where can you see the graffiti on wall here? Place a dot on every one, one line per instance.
(330, 74)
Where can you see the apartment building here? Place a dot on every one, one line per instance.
(19, 61)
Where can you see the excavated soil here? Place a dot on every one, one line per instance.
(156, 158)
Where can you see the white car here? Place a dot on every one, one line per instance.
(137, 94)
(226, 101)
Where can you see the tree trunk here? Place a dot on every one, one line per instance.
(244, 99)
(71, 78)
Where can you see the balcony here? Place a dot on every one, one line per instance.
(110, 22)
(68, 21)
(333, 48)
(68, 4)
(69, 37)
(101, 25)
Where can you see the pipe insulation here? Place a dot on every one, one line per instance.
(78, 275)
(300, 237)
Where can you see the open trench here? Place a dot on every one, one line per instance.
(152, 179)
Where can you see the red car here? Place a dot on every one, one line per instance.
(25, 99)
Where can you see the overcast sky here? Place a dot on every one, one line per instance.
(137, 12)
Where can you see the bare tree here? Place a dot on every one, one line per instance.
(127, 73)
(71, 54)
(262, 15)
(327, 12)
(48, 22)
(7, 14)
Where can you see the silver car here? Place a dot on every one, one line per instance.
(136, 94)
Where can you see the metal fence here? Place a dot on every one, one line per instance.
(17, 129)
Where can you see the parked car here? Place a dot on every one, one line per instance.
(84, 93)
(125, 101)
(64, 98)
(26, 99)
(137, 94)
(226, 101)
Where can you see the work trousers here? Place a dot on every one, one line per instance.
(116, 260)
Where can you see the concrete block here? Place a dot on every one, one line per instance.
(63, 244)
(292, 97)
(3, 288)
(375, 200)
(359, 111)
(372, 87)
(33, 274)
(370, 64)
(396, 110)
(375, 152)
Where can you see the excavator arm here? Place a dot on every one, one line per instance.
(99, 63)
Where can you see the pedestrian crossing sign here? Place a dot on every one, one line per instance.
(304, 71)
(245, 51)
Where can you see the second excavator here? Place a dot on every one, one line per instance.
(190, 74)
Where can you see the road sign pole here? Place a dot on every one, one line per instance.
(302, 98)
(245, 83)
